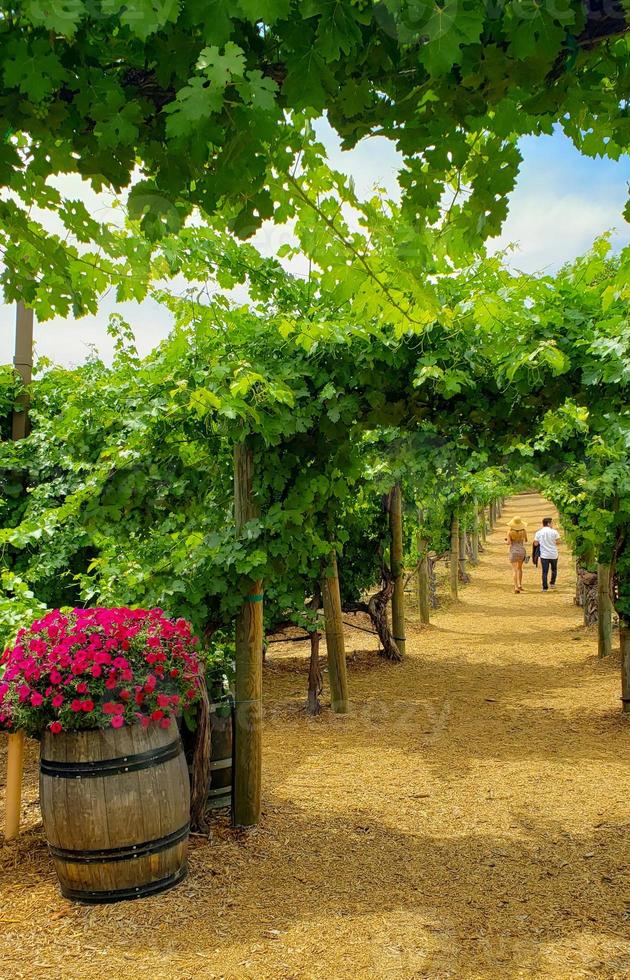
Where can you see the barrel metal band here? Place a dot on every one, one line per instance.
(125, 853)
(110, 767)
(125, 894)
(220, 791)
(222, 764)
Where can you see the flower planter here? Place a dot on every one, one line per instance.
(115, 806)
(221, 728)
(221, 745)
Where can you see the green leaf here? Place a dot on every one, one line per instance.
(194, 103)
(219, 68)
(60, 16)
(34, 69)
(142, 17)
(267, 11)
(448, 29)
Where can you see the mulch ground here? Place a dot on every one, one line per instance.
(468, 818)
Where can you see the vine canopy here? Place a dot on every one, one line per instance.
(208, 100)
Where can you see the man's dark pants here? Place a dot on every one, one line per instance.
(549, 563)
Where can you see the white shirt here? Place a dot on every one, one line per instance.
(547, 538)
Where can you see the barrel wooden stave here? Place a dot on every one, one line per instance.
(220, 792)
(116, 811)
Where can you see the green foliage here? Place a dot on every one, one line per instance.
(213, 101)
(360, 375)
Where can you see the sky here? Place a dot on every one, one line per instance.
(562, 201)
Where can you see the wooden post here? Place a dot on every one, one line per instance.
(23, 363)
(249, 642)
(604, 611)
(624, 645)
(335, 645)
(475, 537)
(461, 553)
(423, 574)
(315, 680)
(484, 529)
(397, 566)
(454, 552)
(15, 765)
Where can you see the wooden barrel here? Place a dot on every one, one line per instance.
(220, 792)
(116, 810)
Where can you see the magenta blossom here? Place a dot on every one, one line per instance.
(95, 668)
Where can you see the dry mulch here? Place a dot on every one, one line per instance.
(467, 819)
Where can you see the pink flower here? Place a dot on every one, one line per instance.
(117, 721)
(56, 727)
(132, 651)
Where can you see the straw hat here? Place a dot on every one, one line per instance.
(517, 524)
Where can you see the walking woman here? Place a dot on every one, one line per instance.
(516, 538)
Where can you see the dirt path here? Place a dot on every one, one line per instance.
(467, 819)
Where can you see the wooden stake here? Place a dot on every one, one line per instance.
(13, 801)
(315, 679)
(475, 537)
(397, 567)
(248, 685)
(484, 529)
(461, 554)
(454, 552)
(335, 644)
(423, 575)
(624, 645)
(23, 362)
(604, 611)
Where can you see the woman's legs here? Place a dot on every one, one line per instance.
(515, 574)
(519, 573)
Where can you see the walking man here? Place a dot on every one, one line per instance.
(547, 538)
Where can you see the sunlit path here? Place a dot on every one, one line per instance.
(467, 819)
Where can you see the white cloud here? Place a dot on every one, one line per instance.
(553, 228)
